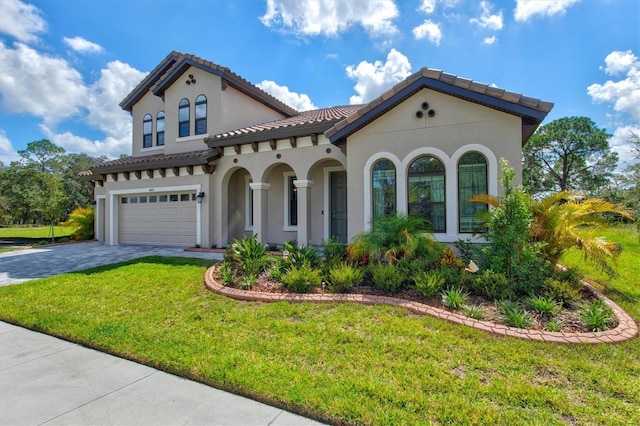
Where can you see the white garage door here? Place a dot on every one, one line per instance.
(167, 219)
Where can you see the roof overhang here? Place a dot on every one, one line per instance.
(132, 164)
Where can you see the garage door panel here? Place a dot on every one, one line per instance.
(170, 223)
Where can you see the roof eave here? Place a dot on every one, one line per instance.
(266, 135)
(132, 167)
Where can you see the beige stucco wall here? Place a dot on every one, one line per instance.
(457, 127)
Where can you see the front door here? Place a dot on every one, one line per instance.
(338, 205)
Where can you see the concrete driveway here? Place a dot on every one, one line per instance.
(23, 265)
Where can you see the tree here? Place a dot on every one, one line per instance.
(47, 159)
(79, 193)
(571, 153)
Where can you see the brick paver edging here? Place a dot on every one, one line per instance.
(627, 328)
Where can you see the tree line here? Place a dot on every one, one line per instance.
(570, 153)
(43, 186)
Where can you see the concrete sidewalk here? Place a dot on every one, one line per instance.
(45, 380)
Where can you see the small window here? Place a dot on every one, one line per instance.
(124, 200)
(173, 197)
(184, 197)
(133, 200)
(147, 123)
(160, 129)
(183, 118)
(193, 196)
(153, 198)
(383, 180)
(162, 198)
(292, 201)
(426, 188)
(143, 198)
(201, 115)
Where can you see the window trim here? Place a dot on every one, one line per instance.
(372, 187)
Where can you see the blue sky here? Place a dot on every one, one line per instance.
(66, 65)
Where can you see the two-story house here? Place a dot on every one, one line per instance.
(215, 158)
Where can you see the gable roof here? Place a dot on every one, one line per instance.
(305, 123)
(176, 63)
(531, 110)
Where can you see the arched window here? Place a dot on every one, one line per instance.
(183, 118)
(160, 129)
(147, 123)
(383, 182)
(201, 115)
(426, 188)
(472, 180)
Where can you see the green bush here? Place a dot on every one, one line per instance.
(429, 284)
(513, 316)
(475, 312)
(544, 305)
(561, 291)
(250, 255)
(455, 298)
(81, 221)
(297, 255)
(386, 277)
(596, 315)
(491, 285)
(343, 276)
(302, 279)
(333, 250)
(226, 273)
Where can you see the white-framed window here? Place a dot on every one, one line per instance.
(290, 202)
(248, 204)
(183, 118)
(160, 129)
(383, 188)
(147, 125)
(472, 180)
(201, 115)
(426, 191)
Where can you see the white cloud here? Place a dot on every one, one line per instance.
(526, 9)
(300, 102)
(330, 17)
(374, 78)
(41, 85)
(20, 20)
(7, 152)
(81, 45)
(110, 146)
(429, 30)
(486, 19)
(490, 40)
(427, 6)
(620, 143)
(625, 93)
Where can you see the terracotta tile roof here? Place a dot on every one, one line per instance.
(532, 110)
(192, 158)
(173, 66)
(314, 121)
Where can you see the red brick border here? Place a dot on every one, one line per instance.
(627, 328)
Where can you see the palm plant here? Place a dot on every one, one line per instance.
(557, 220)
(394, 237)
(81, 221)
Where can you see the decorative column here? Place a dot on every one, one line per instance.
(260, 214)
(304, 210)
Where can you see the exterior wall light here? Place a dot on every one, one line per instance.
(199, 197)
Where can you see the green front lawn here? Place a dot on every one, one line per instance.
(342, 363)
(34, 232)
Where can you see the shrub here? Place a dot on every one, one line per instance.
(475, 312)
(386, 277)
(429, 284)
(544, 305)
(333, 250)
(514, 316)
(561, 291)
(596, 315)
(454, 298)
(297, 255)
(277, 269)
(250, 255)
(247, 282)
(226, 273)
(81, 220)
(554, 325)
(491, 285)
(342, 277)
(302, 278)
